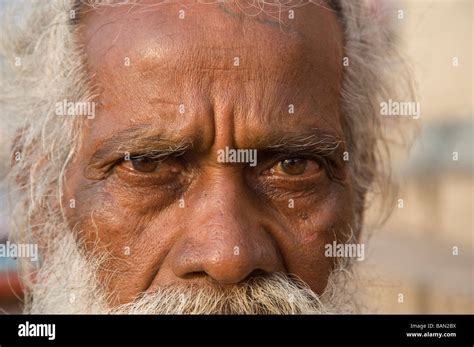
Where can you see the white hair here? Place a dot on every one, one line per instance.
(43, 63)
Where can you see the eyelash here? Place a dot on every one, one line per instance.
(153, 156)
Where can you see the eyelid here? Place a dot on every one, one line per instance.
(278, 158)
(159, 154)
(159, 161)
(170, 169)
(283, 184)
(326, 162)
(165, 180)
(153, 156)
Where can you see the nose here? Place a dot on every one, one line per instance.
(228, 239)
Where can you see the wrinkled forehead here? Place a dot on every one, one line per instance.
(150, 31)
(216, 54)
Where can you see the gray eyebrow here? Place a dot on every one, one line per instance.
(138, 140)
(135, 142)
(312, 141)
(323, 144)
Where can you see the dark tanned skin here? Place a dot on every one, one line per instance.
(236, 221)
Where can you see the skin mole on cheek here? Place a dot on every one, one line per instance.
(303, 215)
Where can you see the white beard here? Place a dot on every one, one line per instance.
(67, 283)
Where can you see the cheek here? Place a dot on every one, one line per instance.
(101, 215)
(105, 220)
(315, 221)
(129, 230)
(112, 211)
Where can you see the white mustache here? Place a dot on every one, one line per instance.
(273, 294)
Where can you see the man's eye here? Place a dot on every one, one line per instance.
(146, 170)
(144, 164)
(296, 167)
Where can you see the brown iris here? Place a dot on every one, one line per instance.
(293, 166)
(144, 164)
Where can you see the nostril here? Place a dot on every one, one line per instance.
(253, 275)
(256, 274)
(194, 275)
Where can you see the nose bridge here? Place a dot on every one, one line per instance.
(225, 237)
(225, 199)
(230, 214)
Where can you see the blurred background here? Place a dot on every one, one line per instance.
(412, 254)
(411, 263)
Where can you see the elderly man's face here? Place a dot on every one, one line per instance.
(149, 187)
